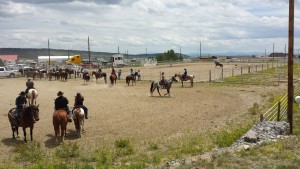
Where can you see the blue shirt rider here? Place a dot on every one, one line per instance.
(132, 73)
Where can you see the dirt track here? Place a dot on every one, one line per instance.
(125, 111)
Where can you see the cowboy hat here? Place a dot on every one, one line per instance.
(60, 93)
(22, 93)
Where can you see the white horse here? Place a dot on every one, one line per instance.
(31, 96)
(78, 117)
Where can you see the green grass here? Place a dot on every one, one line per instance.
(126, 153)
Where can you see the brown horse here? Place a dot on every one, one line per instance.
(27, 117)
(13, 122)
(133, 79)
(60, 121)
(63, 75)
(113, 79)
(188, 78)
(98, 76)
(78, 117)
(156, 85)
(70, 71)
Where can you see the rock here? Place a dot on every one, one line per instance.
(250, 136)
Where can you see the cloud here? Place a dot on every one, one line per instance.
(138, 24)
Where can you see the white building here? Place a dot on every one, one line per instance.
(117, 60)
(53, 59)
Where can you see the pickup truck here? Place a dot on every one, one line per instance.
(4, 72)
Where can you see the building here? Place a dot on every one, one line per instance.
(9, 59)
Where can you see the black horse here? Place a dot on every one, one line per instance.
(156, 85)
(218, 64)
(132, 78)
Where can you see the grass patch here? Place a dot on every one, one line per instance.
(70, 150)
(29, 152)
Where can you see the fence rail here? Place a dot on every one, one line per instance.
(279, 111)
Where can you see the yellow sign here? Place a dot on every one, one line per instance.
(76, 59)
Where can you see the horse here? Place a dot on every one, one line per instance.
(78, 117)
(31, 96)
(189, 77)
(218, 64)
(63, 75)
(70, 71)
(27, 117)
(97, 76)
(113, 79)
(86, 77)
(60, 121)
(133, 79)
(156, 85)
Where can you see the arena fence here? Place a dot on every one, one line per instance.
(279, 111)
(230, 75)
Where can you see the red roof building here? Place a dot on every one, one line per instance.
(9, 59)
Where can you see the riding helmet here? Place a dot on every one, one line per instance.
(22, 93)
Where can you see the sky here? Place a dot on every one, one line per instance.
(149, 26)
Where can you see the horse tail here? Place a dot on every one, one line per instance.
(151, 87)
(32, 96)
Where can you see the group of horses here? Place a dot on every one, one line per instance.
(30, 114)
(61, 74)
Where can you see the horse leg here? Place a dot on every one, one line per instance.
(24, 131)
(31, 129)
(158, 90)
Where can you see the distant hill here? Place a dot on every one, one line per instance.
(33, 53)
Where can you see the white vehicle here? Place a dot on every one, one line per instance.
(4, 72)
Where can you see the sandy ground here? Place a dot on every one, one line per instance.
(123, 111)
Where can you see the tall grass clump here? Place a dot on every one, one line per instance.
(123, 147)
(104, 158)
(29, 152)
(70, 150)
(255, 109)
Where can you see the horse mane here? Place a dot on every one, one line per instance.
(27, 115)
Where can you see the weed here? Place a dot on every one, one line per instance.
(29, 152)
(70, 150)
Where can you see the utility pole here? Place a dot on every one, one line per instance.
(49, 53)
(200, 49)
(89, 53)
(290, 66)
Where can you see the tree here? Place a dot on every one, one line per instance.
(169, 55)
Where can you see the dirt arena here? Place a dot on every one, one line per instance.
(130, 112)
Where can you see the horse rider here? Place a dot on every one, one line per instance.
(79, 103)
(29, 85)
(163, 80)
(62, 102)
(119, 74)
(184, 73)
(113, 72)
(99, 72)
(139, 75)
(20, 104)
(132, 73)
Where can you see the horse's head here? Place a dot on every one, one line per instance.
(174, 79)
(35, 112)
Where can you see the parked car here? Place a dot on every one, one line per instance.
(4, 72)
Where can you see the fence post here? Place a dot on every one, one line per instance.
(261, 118)
(232, 72)
(241, 70)
(248, 69)
(209, 76)
(222, 73)
(278, 111)
(262, 67)
(255, 68)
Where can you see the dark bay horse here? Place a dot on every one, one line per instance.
(60, 121)
(218, 64)
(133, 79)
(98, 76)
(156, 85)
(78, 117)
(26, 119)
(63, 75)
(13, 122)
(188, 78)
(113, 79)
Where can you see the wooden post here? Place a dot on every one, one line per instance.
(222, 73)
(255, 68)
(241, 70)
(209, 76)
(261, 118)
(248, 69)
(278, 111)
(232, 72)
